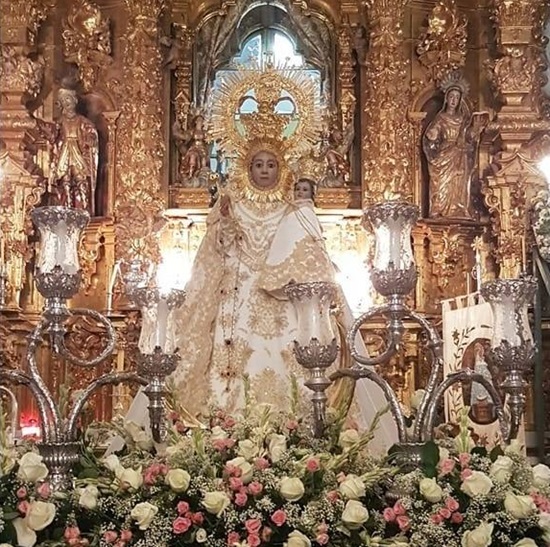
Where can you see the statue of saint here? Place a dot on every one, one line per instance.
(74, 155)
(193, 170)
(335, 150)
(450, 145)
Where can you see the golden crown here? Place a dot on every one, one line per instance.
(454, 80)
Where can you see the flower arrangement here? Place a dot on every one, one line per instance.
(541, 222)
(465, 496)
(263, 480)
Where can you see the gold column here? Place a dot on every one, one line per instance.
(20, 81)
(386, 130)
(516, 78)
(140, 144)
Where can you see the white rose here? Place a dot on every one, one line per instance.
(178, 480)
(144, 513)
(215, 502)
(297, 539)
(417, 397)
(5, 545)
(348, 438)
(525, 542)
(143, 441)
(352, 487)
(520, 507)
(431, 490)
(112, 463)
(291, 488)
(544, 523)
(515, 447)
(444, 454)
(277, 447)
(541, 475)
(88, 497)
(25, 536)
(354, 514)
(246, 469)
(31, 468)
(40, 515)
(479, 537)
(247, 449)
(218, 433)
(200, 536)
(501, 470)
(477, 484)
(130, 478)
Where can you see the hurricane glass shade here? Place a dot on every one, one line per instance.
(60, 229)
(312, 302)
(392, 222)
(509, 300)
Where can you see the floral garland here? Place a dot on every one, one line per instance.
(263, 480)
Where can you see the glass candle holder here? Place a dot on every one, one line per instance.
(312, 303)
(394, 271)
(58, 268)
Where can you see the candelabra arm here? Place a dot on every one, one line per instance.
(395, 408)
(49, 412)
(395, 334)
(464, 375)
(435, 346)
(111, 339)
(17, 377)
(14, 408)
(113, 379)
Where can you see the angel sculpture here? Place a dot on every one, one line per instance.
(335, 150)
(193, 170)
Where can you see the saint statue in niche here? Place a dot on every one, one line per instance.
(335, 149)
(74, 155)
(450, 146)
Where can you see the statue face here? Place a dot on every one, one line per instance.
(67, 102)
(453, 99)
(264, 170)
(303, 190)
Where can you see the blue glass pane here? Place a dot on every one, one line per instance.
(283, 51)
(251, 52)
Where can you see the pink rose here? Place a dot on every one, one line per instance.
(253, 540)
(403, 522)
(266, 533)
(219, 444)
(71, 532)
(399, 508)
(240, 499)
(149, 478)
(466, 473)
(163, 469)
(261, 463)
(255, 488)
(235, 483)
(436, 519)
(44, 490)
(291, 425)
(464, 459)
(21, 493)
(110, 536)
(333, 496)
(446, 466)
(322, 528)
(322, 539)
(312, 465)
(451, 504)
(253, 525)
(229, 422)
(445, 513)
(279, 517)
(23, 507)
(182, 507)
(457, 518)
(126, 535)
(389, 514)
(181, 525)
(197, 518)
(232, 538)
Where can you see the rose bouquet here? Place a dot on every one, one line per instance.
(465, 496)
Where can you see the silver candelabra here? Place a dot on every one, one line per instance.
(394, 277)
(58, 278)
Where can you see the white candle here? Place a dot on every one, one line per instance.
(395, 242)
(60, 245)
(479, 278)
(162, 323)
(111, 288)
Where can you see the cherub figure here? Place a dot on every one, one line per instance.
(335, 149)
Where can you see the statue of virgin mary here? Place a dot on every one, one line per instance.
(236, 321)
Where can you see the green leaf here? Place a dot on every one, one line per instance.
(429, 454)
(496, 452)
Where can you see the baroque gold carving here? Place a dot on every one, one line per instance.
(140, 144)
(442, 46)
(387, 141)
(87, 41)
